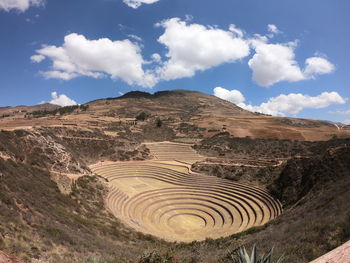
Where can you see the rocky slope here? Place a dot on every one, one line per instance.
(313, 187)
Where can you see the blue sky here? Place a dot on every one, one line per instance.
(286, 58)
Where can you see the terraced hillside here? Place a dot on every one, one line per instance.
(169, 151)
(168, 201)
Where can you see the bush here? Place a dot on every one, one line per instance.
(155, 257)
(241, 256)
(60, 111)
(159, 123)
(142, 116)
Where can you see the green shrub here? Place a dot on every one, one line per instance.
(155, 257)
(152, 257)
(142, 116)
(241, 256)
(159, 123)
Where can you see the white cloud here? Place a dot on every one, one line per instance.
(190, 48)
(293, 103)
(194, 47)
(257, 40)
(20, 5)
(341, 112)
(273, 63)
(156, 58)
(272, 29)
(37, 58)
(56, 74)
(347, 122)
(137, 38)
(318, 65)
(138, 3)
(237, 31)
(283, 104)
(79, 56)
(234, 96)
(188, 18)
(61, 100)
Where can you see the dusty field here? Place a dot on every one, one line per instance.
(165, 199)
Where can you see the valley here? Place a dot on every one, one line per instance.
(167, 200)
(178, 174)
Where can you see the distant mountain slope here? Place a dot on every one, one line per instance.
(183, 103)
(23, 108)
(189, 114)
(212, 115)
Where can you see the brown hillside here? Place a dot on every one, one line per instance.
(188, 113)
(16, 111)
(77, 183)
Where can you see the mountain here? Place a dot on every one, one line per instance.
(53, 206)
(187, 113)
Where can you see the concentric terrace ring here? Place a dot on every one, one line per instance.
(181, 206)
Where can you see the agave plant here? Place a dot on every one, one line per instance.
(242, 256)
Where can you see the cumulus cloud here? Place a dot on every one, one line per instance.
(194, 47)
(137, 3)
(293, 103)
(272, 29)
(61, 100)
(236, 30)
(79, 56)
(234, 96)
(37, 58)
(20, 5)
(316, 66)
(283, 104)
(189, 47)
(273, 63)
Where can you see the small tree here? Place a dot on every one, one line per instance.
(142, 116)
(159, 123)
(84, 107)
(153, 257)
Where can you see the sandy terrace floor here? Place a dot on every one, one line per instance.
(165, 199)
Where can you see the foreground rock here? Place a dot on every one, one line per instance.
(338, 255)
(7, 259)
